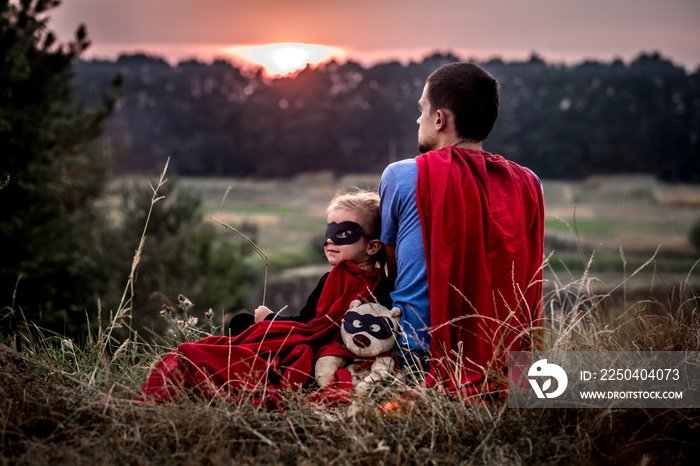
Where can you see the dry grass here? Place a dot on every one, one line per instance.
(49, 418)
(55, 409)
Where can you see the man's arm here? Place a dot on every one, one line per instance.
(389, 197)
(390, 251)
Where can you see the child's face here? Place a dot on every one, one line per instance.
(359, 252)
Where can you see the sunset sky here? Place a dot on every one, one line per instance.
(367, 30)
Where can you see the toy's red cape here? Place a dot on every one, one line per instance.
(267, 356)
(483, 228)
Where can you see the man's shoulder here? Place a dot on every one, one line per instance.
(398, 182)
(527, 170)
(524, 172)
(402, 168)
(512, 166)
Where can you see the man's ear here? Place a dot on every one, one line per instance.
(373, 246)
(441, 119)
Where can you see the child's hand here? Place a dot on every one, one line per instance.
(261, 312)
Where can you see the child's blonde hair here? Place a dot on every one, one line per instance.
(366, 204)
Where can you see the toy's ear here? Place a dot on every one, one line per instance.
(354, 304)
(395, 312)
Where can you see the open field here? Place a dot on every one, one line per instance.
(288, 213)
(636, 213)
(609, 226)
(621, 221)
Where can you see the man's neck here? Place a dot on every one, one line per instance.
(465, 144)
(471, 145)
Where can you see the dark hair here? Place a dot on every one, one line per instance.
(470, 93)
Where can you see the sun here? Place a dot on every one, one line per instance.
(290, 58)
(285, 58)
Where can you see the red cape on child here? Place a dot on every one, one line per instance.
(267, 356)
(483, 228)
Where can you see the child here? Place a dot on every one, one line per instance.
(272, 352)
(352, 234)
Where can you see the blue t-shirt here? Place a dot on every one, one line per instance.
(401, 227)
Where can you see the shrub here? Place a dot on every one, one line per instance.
(181, 255)
(52, 168)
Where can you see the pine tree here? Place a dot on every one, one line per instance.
(51, 164)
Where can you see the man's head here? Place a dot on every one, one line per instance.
(463, 93)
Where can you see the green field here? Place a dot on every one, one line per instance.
(605, 226)
(637, 215)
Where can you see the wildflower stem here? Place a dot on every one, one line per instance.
(255, 248)
(125, 304)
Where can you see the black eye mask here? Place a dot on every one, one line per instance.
(355, 322)
(343, 233)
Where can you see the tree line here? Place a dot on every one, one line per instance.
(562, 121)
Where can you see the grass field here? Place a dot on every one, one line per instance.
(622, 222)
(636, 213)
(68, 402)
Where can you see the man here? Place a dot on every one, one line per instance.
(463, 231)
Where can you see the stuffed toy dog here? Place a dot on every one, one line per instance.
(369, 332)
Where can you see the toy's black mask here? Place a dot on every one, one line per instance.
(343, 233)
(379, 327)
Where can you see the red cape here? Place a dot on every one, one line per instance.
(483, 228)
(269, 355)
